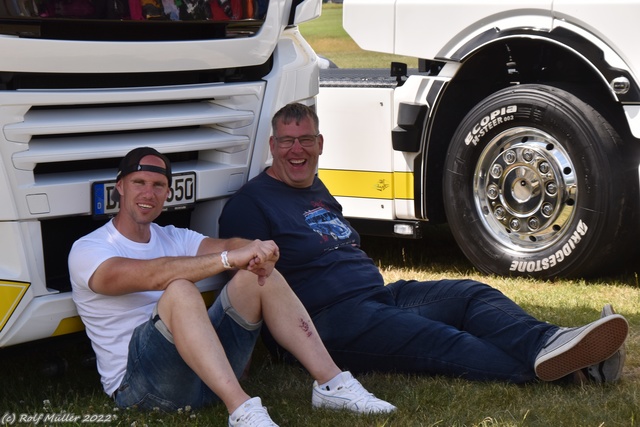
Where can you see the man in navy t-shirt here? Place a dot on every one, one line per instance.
(460, 328)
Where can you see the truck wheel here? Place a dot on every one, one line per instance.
(535, 185)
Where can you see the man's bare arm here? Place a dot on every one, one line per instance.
(118, 276)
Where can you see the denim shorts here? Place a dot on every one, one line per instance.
(158, 378)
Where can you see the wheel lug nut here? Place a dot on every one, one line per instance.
(510, 157)
(543, 167)
(492, 191)
(552, 188)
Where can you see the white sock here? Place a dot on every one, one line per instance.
(333, 383)
(253, 401)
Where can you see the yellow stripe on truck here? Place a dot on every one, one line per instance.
(10, 295)
(368, 184)
(69, 325)
(403, 187)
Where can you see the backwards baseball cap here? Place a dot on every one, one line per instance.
(131, 163)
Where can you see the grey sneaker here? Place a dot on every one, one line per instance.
(251, 414)
(571, 349)
(609, 370)
(349, 395)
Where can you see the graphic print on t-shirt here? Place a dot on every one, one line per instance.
(327, 224)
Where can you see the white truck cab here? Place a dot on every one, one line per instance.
(80, 86)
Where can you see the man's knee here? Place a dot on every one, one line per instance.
(180, 292)
(246, 295)
(246, 283)
(180, 287)
(180, 297)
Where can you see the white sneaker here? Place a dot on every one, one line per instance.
(571, 349)
(609, 370)
(349, 395)
(251, 414)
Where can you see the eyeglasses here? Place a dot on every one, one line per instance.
(288, 141)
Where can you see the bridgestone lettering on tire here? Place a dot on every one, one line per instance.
(534, 185)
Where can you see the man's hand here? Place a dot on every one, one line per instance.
(258, 257)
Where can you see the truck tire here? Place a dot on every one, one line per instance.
(535, 184)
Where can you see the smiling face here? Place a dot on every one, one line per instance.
(142, 197)
(295, 165)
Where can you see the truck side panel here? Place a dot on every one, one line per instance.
(426, 29)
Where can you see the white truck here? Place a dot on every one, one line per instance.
(520, 129)
(83, 82)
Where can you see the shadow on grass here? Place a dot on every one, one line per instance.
(436, 248)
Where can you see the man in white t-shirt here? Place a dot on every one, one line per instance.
(156, 344)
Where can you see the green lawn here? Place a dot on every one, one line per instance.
(421, 400)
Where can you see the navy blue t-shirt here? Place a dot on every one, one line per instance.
(320, 253)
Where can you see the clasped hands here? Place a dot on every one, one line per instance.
(258, 256)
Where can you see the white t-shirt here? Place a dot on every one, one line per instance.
(110, 320)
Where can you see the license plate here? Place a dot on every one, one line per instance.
(181, 196)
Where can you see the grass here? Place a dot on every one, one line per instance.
(422, 401)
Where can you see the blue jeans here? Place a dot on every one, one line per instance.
(459, 328)
(156, 375)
